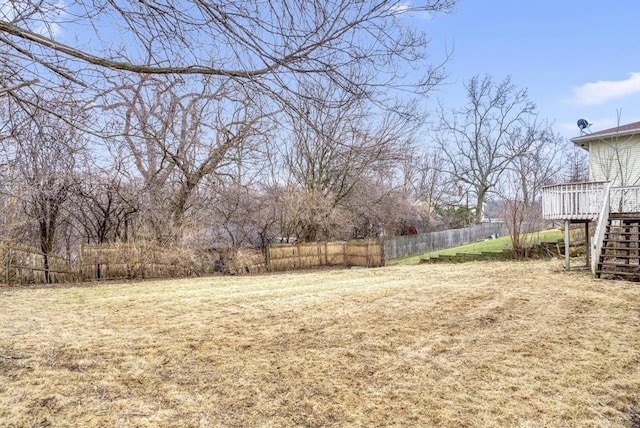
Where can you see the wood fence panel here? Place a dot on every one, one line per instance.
(316, 254)
(23, 265)
(128, 261)
(300, 256)
(364, 253)
(334, 253)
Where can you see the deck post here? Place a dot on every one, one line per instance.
(587, 243)
(567, 265)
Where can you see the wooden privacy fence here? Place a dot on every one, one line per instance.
(309, 255)
(135, 260)
(401, 246)
(23, 265)
(128, 261)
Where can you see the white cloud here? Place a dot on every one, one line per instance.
(400, 8)
(599, 92)
(407, 8)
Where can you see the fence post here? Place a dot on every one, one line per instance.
(267, 260)
(345, 259)
(8, 265)
(298, 255)
(326, 254)
(366, 252)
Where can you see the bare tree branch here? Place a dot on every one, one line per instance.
(477, 139)
(18, 86)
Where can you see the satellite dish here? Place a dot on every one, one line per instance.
(583, 124)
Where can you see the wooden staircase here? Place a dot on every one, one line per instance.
(620, 255)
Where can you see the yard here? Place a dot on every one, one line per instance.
(478, 344)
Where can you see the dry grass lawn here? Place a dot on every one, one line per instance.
(479, 344)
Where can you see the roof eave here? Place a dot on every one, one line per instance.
(592, 137)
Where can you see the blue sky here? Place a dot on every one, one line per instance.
(576, 58)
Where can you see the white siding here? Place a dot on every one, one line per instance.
(616, 159)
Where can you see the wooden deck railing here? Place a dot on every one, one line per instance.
(573, 201)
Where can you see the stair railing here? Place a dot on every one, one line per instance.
(598, 237)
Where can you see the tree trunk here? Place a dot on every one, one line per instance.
(479, 214)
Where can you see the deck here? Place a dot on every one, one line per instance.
(592, 201)
(573, 201)
(584, 201)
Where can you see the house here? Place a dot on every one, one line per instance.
(610, 200)
(614, 154)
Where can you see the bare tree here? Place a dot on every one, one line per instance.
(238, 214)
(478, 139)
(176, 134)
(101, 207)
(379, 207)
(44, 154)
(308, 215)
(426, 182)
(190, 85)
(576, 165)
(337, 144)
(538, 164)
(521, 187)
(11, 220)
(349, 43)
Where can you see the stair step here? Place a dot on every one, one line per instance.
(635, 266)
(621, 235)
(616, 267)
(625, 216)
(618, 272)
(622, 232)
(620, 256)
(623, 224)
(630, 237)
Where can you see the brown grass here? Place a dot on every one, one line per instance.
(478, 344)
